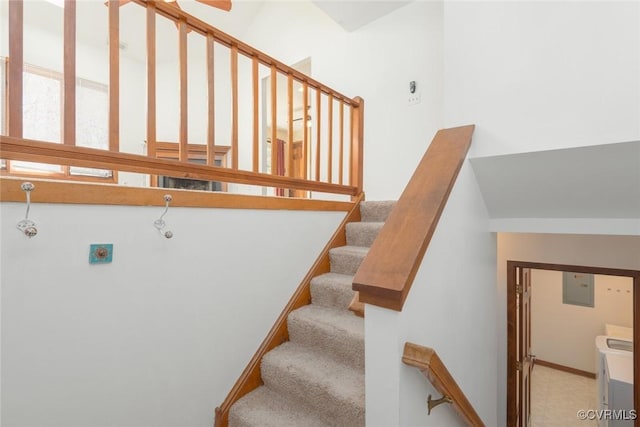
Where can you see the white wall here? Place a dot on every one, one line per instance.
(157, 337)
(451, 308)
(541, 75)
(375, 62)
(565, 333)
(586, 250)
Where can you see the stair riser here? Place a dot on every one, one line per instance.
(359, 235)
(328, 295)
(345, 263)
(375, 211)
(323, 400)
(347, 348)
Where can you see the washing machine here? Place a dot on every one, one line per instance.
(608, 345)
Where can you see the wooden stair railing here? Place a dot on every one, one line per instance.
(250, 379)
(428, 362)
(47, 152)
(387, 273)
(346, 146)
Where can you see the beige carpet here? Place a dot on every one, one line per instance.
(317, 378)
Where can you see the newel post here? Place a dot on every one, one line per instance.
(357, 143)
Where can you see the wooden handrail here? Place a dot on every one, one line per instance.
(46, 152)
(250, 379)
(428, 362)
(387, 273)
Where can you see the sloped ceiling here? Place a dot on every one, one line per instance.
(600, 181)
(92, 27)
(352, 15)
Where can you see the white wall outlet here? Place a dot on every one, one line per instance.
(414, 93)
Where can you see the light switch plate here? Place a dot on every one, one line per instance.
(100, 253)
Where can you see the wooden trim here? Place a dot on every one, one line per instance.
(251, 376)
(289, 169)
(330, 139)
(274, 119)
(256, 115)
(576, 268)
(164, 147)
(341, 161)
(114, 75)
(512, 346)
(211, 105)
(151, 86)
(318, 123)
(201, 27)
(305, 130)
(357, 144)
(234, 107)
(356, 305)
(62, 192)
(47, 152)
(386, 274)
(16, 64)
(428, 362)
(183, 137)
(636, 344)
(564, 368)
(69, 58)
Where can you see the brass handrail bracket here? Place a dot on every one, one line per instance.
(432, 403)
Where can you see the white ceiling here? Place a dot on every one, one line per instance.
(352, 15)
(92, 28)
(600, 181)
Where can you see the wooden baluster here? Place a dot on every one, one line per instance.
(69, 98)
(274, 120)
(357, 143)
(341, 159)
(183, 138)
(114, 75)
(16, 39)
(256, 102)
(318, 122)
(151, 85)
(330, 137)
(211, 105)
(290, 128)
(305, 129)
(234, 106)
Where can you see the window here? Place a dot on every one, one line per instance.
(43, 117)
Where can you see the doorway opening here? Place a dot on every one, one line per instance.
(519, 357)
(277, 98)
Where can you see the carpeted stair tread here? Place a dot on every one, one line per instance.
(347, 259)
(264, 407)
(334, 390)
(332, 290)
(376, 211)
(363, 233)
(337, 333)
